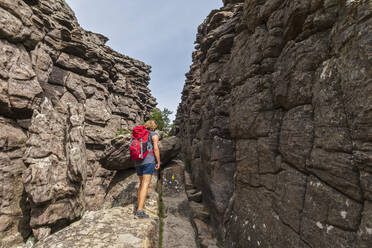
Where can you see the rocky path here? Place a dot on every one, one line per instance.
(178, 229)
(185, 218)
(114, 227)
(182, 224)
(178, 218)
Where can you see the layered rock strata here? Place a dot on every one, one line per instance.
(276, 121)
(63, 96)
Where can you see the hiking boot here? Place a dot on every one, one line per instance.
(141, 214)
(135, 209)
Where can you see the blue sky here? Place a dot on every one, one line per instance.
(159, 33)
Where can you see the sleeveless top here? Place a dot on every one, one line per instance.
(150, 157)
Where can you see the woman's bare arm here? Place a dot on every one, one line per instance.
(155, 140)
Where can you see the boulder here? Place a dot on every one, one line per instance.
(173, 179)
(169, 149)
(117, 154)
(122, 190)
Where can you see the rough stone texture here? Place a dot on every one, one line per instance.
(14, 211)
(122, 189)
(202, 121)
(199, 212)
(169, 149)
(276, 120)
(116, 155)
(63, 96)
(113, 227)
(200, 216)
(178, 229)
(56, 170)
(205, 234)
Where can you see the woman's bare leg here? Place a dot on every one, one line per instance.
(139, 189)
(142, 191)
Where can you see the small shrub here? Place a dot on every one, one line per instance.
(121, 131)
(30, 241)
(161, 117)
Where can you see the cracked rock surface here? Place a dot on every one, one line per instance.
(276, 121)
(115, 227)
(178, 230)
(63, 96)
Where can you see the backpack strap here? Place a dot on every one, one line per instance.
(150, 138)
(152, 143)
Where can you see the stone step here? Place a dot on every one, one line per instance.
(194, 196)
(205, 234)
(191, 191)
(199, 211)
(188, 182)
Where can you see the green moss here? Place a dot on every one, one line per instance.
(161, 218)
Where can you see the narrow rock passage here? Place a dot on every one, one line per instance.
(185, 218)
(178, 229)
(275, 121)
(116, 226)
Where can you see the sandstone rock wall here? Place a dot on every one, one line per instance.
(63, 97)
(114, 226)
(276, 120)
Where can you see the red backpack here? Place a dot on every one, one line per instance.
(138, 146)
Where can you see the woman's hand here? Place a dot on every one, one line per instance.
(157, 167)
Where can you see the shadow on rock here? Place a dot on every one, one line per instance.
(116, 155)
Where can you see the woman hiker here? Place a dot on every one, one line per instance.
(145, 168)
